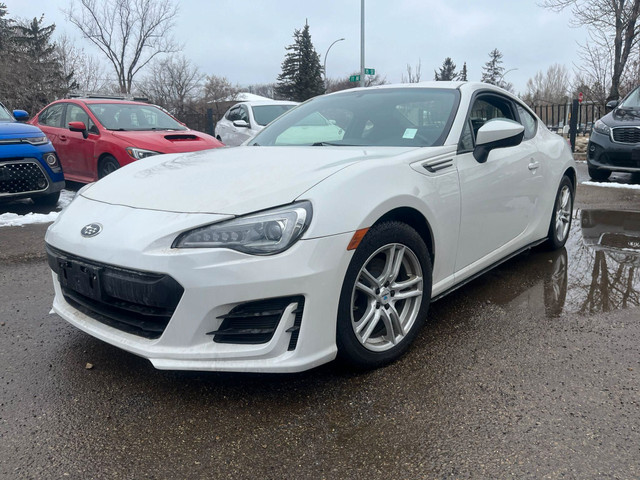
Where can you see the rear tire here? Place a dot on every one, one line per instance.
(50, 200)
(599, 175)
(107, 165)
(560, 224)
(385, 296)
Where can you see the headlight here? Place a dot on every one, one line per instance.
(602, 128)
(36, 140)
(263, 233)
(139, 153)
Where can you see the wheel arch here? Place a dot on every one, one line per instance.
(415, 220)
(571, 173)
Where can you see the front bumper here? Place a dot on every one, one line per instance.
(215, 282)
(605, 154)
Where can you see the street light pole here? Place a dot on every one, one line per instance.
(362, 43)
(502, 76)
(324, 67)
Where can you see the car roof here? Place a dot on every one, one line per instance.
(454, 85)
(255, 103)
(89, 101)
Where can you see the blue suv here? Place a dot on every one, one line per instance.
(29, 166)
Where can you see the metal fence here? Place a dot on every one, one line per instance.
(557, 117)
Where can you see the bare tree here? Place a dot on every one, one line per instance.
(413, 75)
(129, 32)
(334, 85)
(263, 89)
(613, 25)
(218, 92)
(594, 74)
(174, 84)
(549, 88)
(85, 72)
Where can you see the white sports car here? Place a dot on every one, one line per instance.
(278, 257)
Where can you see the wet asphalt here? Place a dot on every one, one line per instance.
(531, 371)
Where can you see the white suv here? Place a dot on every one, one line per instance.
(244, 120)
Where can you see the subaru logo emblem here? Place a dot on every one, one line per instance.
(91, 230)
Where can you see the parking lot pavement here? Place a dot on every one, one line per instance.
(528, 372)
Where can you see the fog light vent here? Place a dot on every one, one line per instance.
(255, 322)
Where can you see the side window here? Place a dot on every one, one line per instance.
(528, 122)
(466, 139)
(484, 108)
(52, 116)
(244, 114)
(77, 114)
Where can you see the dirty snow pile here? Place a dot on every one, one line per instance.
(15, 220)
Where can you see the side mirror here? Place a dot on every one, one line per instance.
(241, 124)
(79, 127)
(20, 115)
(497, 133)
(612, 104)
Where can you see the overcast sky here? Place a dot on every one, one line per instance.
(245, 40)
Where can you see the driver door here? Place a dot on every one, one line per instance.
(498, 197)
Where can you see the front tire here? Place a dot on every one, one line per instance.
(599, 175)
(385, 296)
(560, 224)
(107, 165)
(50, 200)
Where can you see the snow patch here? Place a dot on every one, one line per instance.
(15, 220)
(612, 185)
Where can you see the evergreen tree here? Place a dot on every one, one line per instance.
(43, 80)
(5, 30)
(462, 76)
(301, 76)
(447, 71)
(493, 70)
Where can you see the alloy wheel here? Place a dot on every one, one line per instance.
(386, 297)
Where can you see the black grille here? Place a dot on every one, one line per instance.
(621, 241)
(140, 303)
(22, 176)
(256, 322)
(626, 135)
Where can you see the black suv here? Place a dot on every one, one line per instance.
(614, 144)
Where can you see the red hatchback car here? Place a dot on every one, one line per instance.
(94, 137)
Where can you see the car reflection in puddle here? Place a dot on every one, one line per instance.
(597, 271)
(604, 262)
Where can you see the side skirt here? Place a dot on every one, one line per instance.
(485, 270)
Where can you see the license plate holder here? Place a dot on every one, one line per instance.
(81, 278)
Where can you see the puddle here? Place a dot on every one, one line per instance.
(603, 261)
(597, 271)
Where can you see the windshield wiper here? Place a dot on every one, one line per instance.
(332, 144)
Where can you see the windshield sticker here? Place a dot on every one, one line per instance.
(410, 133)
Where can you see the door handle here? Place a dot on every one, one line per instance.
(533, 165)
(63, 138)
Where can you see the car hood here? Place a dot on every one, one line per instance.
(622, 117)
(15, 129)
(168, 141)
(230, 181)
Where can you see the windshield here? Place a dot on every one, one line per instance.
(632, 100)
(393, 117)
(130, 116)
(265, 114)
(5, 116)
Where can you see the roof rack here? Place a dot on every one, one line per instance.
(107, 96)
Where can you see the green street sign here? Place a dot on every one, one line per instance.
(369, 71)
(354, 78)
